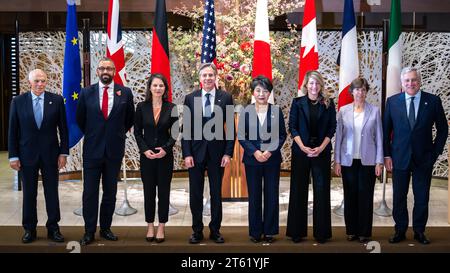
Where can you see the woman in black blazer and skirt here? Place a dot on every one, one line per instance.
(155, 136)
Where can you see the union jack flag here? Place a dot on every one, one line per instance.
(114, 48)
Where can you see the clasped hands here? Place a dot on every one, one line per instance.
(152, 155)
(262, 156)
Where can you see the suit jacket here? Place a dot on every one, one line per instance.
(26, 141)
(299, 123)
(197, 148)
(371, 136)
(415, 144)
(252, 134)
(104, 137)
(148, 135)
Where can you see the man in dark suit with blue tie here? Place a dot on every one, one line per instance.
(206, 147)
(34, 122)
(410, 150)
(105, 112)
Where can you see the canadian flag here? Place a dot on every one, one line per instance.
(262, 62)
(114, 49)
(309, 55)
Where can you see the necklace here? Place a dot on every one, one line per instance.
(314, 102)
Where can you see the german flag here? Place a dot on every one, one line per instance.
(160, 45)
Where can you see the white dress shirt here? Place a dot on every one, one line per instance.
(110, 95)
(211, 99)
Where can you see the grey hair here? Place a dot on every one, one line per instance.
(410, 69)
(33, 72)
(107, 59)
(205, 65)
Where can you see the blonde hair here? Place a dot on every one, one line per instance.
(323, 96)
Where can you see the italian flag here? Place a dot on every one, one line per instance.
(393, 83)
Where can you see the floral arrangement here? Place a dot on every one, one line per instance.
(234, 49)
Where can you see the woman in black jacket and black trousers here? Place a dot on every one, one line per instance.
(155, 136)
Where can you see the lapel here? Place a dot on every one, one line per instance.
(217, 100)
(367, 111)
(116, 101)
(423, 106)
(29, 107)
(305, 107)
(321, 109)
(401, 105)
(347, 114)
(96, 98)
(47, 104)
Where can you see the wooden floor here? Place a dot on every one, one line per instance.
(131, 240)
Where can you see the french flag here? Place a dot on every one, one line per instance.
(262, 62)
(309, 55)
(349, 64)
(114, 43)
(160, 45)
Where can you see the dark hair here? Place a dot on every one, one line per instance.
(205, 65)
(359, 83)
(263, 81)
(148, 93)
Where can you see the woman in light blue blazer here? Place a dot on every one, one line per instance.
(358, 157)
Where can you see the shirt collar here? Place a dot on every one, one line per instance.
(416, 97)
(101, 85)
(212, 92)
(33, 96)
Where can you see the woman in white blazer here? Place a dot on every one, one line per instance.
(358, 157)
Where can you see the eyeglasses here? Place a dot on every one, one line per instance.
(109, 69)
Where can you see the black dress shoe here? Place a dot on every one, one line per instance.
(108, 235)
(397, 238)
(217, 238)
(87, 239)
(150, 239)
(196, 238)
(421, 238)
(159, 240)
(29, 236)
(297, 239)
(255, 239)
(269, 239)
(364, 239)
(352, 237)
(55, 236)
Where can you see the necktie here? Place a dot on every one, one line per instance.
(412, 113)
(38, 112)
(105, 102)
(207, 106)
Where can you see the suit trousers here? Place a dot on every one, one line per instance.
(156, 175)
(359, 184)
(108, 169)
(297, 222)
(421, 182)
(196, 186)
(263, 179)
(30, 189)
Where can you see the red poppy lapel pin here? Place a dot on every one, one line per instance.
(118, 93)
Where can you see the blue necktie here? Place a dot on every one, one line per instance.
(412, 113)
(207, 106)
(37, 112)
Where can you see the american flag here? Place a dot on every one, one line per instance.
(209, 34)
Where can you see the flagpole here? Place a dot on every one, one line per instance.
(383, 209)
(125, 209)
(79, 210)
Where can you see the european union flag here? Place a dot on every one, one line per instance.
(72, 73)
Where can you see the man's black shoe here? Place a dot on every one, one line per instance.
(29, 236)
(108, 235)
(196, 238)
(421, 238)
(217, 238)
(87, 239)
(55, 236)
(269, 239)
(397, 238)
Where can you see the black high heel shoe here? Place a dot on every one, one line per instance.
(150, 239)
(160, 240)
